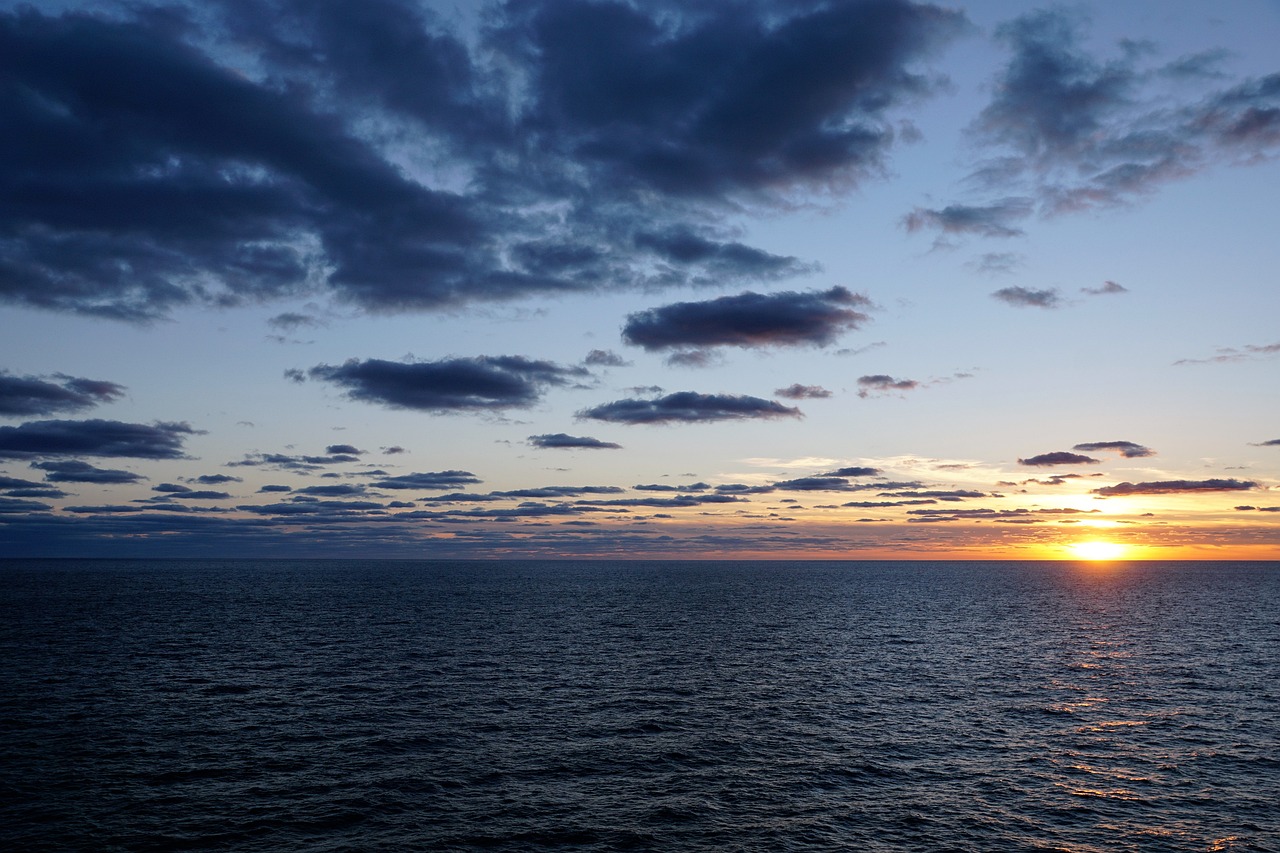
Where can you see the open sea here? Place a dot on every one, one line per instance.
(666, 706)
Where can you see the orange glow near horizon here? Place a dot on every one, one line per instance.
(1096, 550)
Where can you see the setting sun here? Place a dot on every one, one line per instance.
(1098, 550)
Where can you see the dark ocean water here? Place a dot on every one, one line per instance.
(666, 706)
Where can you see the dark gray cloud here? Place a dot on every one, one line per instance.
(171, 488)
(75, 471)
(1058, 457)
(147, 165)
(1173, 487)
(879, 383)
(749, 320)
(451, 384)
(274, 488)
(427, 480)
(802, 392)
(22, 396)
(991, 220)
(1108, 288)
(688, 407)
(1127, 449)
(560, 440)
(1274, 442)
(1023, 297)
(94, 438)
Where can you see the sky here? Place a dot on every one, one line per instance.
(583, 279)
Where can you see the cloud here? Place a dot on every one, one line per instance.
(992, 220)
(688, 407)
(22, 396)
(854, 471)
(339, 490)
(427, 480)
(1231, 354)
(1059, 457)
(561, 440)
(288, 462)
(75, 471)
(94, 438)
(605, 358)
(451, 384)
(662, 487)
(1077, 132)
(291, 321)
(14, 505)
(881, 384)
(730, 260)
(638, 125)
(1127, 449)
(214, 479)
(749, 319)
(343, 450)
(1022, 297)
(692, 358)
(997, 263)
(1108, 288)
(1173, 487)
(803, 392)
(1274, 442)
(814, 484)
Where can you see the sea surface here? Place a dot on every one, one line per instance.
(666, 706)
